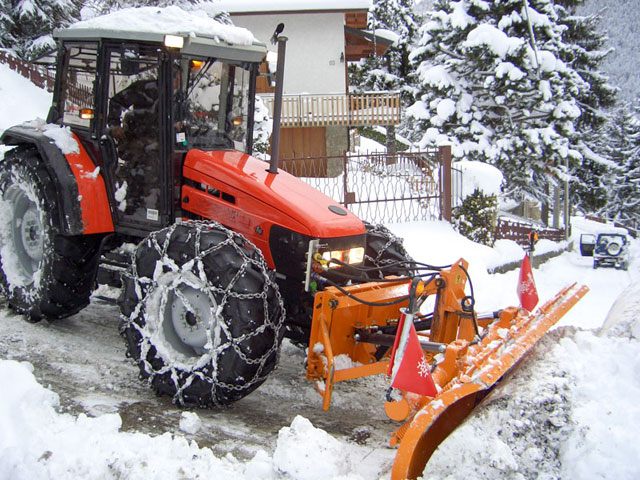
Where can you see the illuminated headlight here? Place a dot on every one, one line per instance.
(352, 256)
(86, 113)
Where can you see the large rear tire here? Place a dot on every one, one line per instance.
(44, 274)
(202, 314)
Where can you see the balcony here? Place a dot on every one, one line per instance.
(308, 110)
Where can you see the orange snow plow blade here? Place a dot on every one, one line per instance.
(351, 337)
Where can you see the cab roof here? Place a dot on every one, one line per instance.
(201, 34)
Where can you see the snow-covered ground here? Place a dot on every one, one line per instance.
(570, 411)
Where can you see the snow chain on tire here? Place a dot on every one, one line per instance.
(201, 314)
(44, 274)
(384, 248)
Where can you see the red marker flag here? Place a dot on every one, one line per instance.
(408, 368)
(527, 292)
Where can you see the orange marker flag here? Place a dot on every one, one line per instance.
(527, 292)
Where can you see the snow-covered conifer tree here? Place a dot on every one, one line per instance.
(584, 49)
(26, 25)
(496, 83)
(392, 71)
(622, 180)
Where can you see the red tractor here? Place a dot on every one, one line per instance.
(143, 176)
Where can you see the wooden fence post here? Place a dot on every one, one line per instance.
(444, 152)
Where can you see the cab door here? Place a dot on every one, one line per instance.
(133, 142)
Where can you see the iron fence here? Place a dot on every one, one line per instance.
(456, 187)
(379, 187)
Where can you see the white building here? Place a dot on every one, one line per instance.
(323, 36)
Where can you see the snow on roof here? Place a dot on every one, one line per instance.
(251, 6)
(167, 20)
(393, 37)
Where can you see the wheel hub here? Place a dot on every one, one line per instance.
(27, 234)
(190, 315)
(31, 234)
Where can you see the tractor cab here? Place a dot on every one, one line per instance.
(139, 102)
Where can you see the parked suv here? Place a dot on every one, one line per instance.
(607, 249)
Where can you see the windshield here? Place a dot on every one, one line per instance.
(211, 105)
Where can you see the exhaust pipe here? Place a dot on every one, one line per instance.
(277, 99)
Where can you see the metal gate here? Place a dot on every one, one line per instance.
(383, 188)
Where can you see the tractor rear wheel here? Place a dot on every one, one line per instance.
(385, 250)
(44, 274)
(202, 314)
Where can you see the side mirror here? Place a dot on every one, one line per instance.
(587, 244)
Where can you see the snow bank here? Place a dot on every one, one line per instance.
(621, 321)
(479, 175)
(64, 446)
(21, 99)
(308, 453)
(558, 416)
(603, 436)
(38, 441)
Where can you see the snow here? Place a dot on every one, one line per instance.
(190, 422)
(436, 76)
(32, 103)
(446, 107)
(308, 453)
(510, 70)
(460, 18)
(496, 40)
(479, 176)
(569, 411)
(548, 62)
(390, 35)
(170, 20)
(61, 136)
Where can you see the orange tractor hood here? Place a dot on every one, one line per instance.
(281, 198)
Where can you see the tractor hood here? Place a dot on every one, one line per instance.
(242, 184)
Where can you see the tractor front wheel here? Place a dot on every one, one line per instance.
(386, 251)
(202, 314)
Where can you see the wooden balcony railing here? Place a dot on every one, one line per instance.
(338, 110)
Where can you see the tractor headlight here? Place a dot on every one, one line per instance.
(351, 256)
